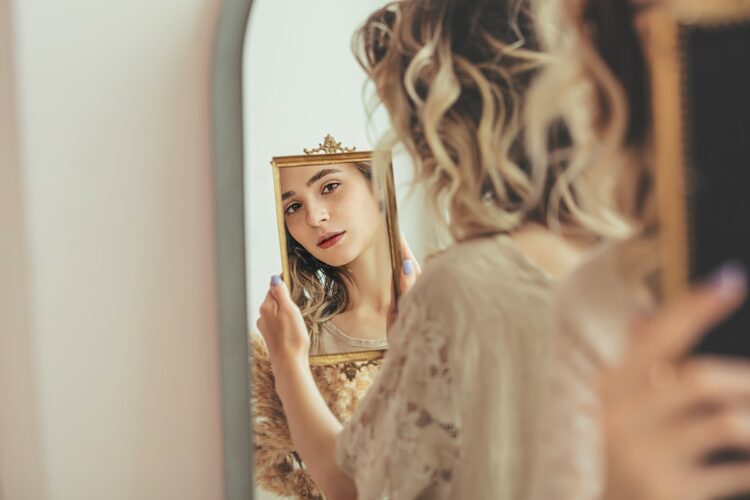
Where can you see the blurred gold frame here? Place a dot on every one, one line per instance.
(386, 177)
(667, 72)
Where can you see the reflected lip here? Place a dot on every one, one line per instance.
(330, 239)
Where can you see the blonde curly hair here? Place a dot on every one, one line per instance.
(598, 87)
(452, 75)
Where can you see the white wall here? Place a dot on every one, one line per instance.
(108, 327)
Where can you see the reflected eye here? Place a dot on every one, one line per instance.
(292, 208)
(331, 187)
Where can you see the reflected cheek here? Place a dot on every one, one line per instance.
(298, 232)
(357, 202)
(370, 210)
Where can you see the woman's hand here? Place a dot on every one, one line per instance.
(312, 425)
(664, 414)
(410, 271)
(283, 327)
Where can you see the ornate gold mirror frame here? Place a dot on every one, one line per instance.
(667, 69)
(330, 152)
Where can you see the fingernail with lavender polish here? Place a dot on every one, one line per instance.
(275, 280)
(731, 278)
(408, 267)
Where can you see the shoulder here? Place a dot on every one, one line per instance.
(595, 304)
(476, 252)
(477, 290)
(483, 271)
(599, 286)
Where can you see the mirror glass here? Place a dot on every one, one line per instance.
(301, 81)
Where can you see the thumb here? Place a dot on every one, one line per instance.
(672, 333)
(279, 291)
(408, 276)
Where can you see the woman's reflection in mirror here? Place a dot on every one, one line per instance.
(338, 254)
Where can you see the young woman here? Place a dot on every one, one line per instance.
(630, 415)
(453, 412)
(339, 255)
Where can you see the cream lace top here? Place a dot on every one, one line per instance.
(593, 311)
(332, 340)
(453, 412)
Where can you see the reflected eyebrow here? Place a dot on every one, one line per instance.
(315, 178)
(321, 174)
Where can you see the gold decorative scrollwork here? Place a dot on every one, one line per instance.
(329, 146)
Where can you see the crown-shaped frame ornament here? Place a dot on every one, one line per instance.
(329, 146)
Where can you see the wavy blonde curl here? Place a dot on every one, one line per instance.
(597, 87)
(453, 76)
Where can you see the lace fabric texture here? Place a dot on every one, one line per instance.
(452, 413)
(278, 469)
(332, 340)
(594, 308)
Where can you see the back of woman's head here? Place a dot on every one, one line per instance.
(598, 86)
(452, 74)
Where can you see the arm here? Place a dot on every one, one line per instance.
(312, 425)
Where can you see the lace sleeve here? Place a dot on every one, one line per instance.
(402, 441)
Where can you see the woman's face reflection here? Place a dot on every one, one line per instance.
(331, 210)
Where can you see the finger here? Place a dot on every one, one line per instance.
(716, 378)
(260, 324)
(408, 276)
(269, 305)
(699, 388)
(280, 292)
(670, 334)
(406, 254)
(723, 481)
(707, 382)
(721, 430)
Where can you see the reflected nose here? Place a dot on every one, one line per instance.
(317, 215)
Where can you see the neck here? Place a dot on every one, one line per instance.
(552, 252)
(371, 287)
